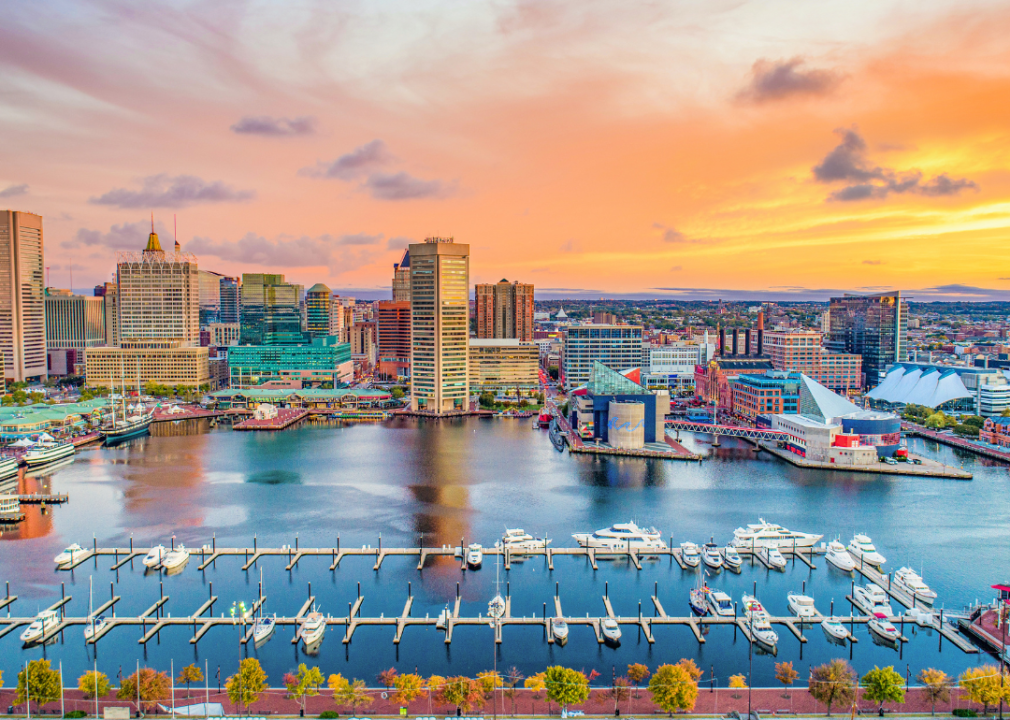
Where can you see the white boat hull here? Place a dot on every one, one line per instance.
(845, 563)
(40, 457)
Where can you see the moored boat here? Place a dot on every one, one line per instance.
(474, 556)
(759, 623)
(44, 622)
(802, 606)
(766, 534)
(95, 626)
(560, 630)
(909, 581)
(69, 554)
(611, 631)
(861, 548)
(175, 559)
(883, 631)
(689, 554)
(47, 450)
(8, 467)
(772, 557)
(155, 556)
(263, 629)
(711, 557)
(838, 556)
(622, 536)
(517, 540)
(311, 632)
(731, 558)
(720, 604)
(835, 630)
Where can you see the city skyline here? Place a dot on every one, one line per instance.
(711, 149)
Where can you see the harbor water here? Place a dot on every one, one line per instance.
(440, 482)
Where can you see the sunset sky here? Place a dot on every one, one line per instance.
(677, 149)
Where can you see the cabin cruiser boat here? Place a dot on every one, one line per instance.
(611, 631)
(759, 623)
(68, 555)
(802, 606)
(263, 629)
(882, 629)
(720, 604)
(44, 622)
(47, 450)
(731, 558)
(710, 556)
(175, 559)
(765, 534)
(155, 556)
(560, 630)
(690, 554)
(838, 556)
(872, 600)
(622, 536)
(474, 556)
(772, 557)
(699, 600)
(907, 580)
(311, 631)
(95, 626)
(861, 548)
(519, 541)
(835, 631)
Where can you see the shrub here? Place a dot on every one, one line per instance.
(963, 712)
(329, 715)
(76, 714)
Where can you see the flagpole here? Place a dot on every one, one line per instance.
(63, 710)
(206, 689)
(28, 695)
(96, 683)
(172, 670)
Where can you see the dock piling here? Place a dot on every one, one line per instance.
(606, 589)
(359, 588)
(296, 542)
(457, 590)
(310, 589)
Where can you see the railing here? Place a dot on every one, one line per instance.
(728, 430)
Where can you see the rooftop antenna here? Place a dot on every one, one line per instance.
(152, 221)
(71, 278)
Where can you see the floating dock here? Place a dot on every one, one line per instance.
(928, 468)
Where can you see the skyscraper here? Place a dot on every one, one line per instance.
(394, 339)
(504, 310)
(401, 278)
(22, 296)
(158, 294)
(270, 314)
(230, 301)
(874, 326)
(439, 307)
(318, 311)
(210, 297)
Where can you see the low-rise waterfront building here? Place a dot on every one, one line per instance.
(771, 393)
(163, 363)
(309, 398)
(504, 366)
(27, 420)
(324, 361)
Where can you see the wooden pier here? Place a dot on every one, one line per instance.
(42, 499)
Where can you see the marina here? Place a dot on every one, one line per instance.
(276, 505)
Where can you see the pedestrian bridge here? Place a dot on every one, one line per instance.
(727, 430)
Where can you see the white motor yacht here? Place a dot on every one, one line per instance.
(560, 630)
(175, 559)
(474, 556)
(611, 631)
(44, 622)
(68, 555)
(835, 630)
(765, 534)
(861, 548)
(519, 541)
(758, 622)
(443, 617)
(155, 556)
(720, 603)
(690, 554)
(882, 629)
(94, 627)
(838, 556)
(711, 557)
(872, 600)
(311, 632)
(907, 580)
(48, 450)
(731, 557)
(772, 557)
(263, 629)
(8, 467)
(622, 536)
(802, 606)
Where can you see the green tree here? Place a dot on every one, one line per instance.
(408, 687)
(882, 685)
(93, 684)
(487, 399)
(673, 689)
(637, 673)
(154, 687)
(983, 685)
(489, 681)
(303, 684)
(566, 686)
(786, 674)
(245, 687)
(43, 684)
(936, 685)
(463, 692)
(189, 674)
(833, 683)
(397, 393)
(349, 694)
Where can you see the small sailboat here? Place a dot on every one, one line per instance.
(263, 630)
(95, 625)
(443, 618)
(496, 606)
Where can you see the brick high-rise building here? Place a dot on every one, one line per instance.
(22, 297)
(801, 351)
(394, 339)
(504, 310)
